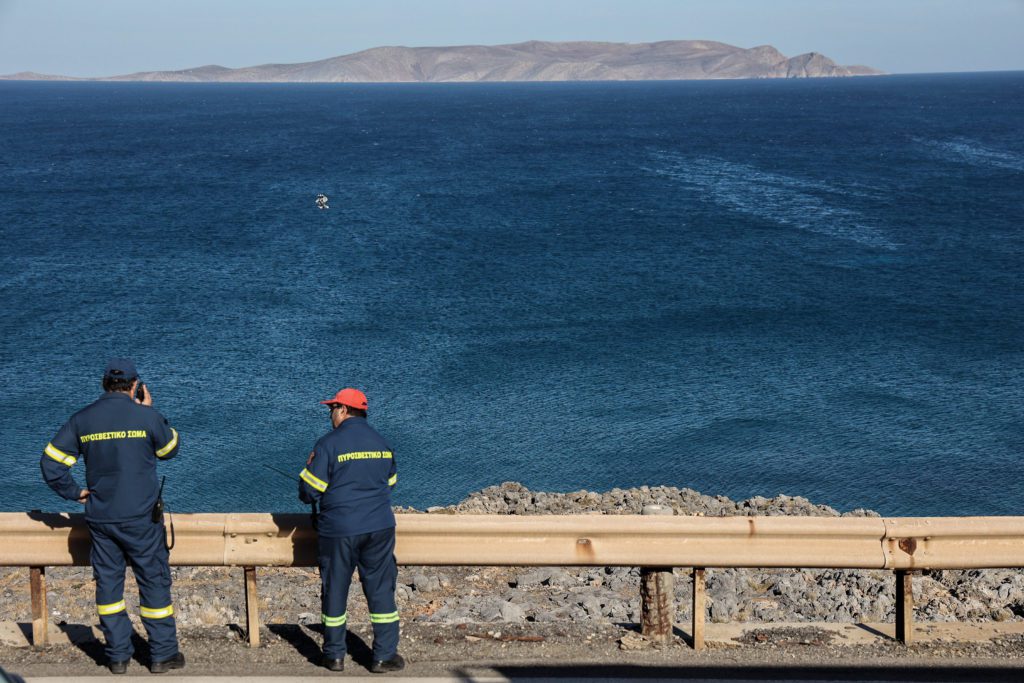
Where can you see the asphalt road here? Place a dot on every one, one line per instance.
(964, 671)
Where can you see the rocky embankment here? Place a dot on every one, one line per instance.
(207, 596)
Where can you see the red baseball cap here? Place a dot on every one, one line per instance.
(353, 398)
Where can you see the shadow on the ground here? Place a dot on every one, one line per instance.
(297, 637)
(82, 637)
(923, 674)
(875, 632)
(306, 645)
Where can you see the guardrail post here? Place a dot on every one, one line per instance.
(252, 607)
(40, 615)
(904, 606)
(656, 593)
(697, 618)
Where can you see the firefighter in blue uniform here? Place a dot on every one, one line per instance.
(350, 473)
(121, 438)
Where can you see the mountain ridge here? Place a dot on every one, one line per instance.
(528, 61)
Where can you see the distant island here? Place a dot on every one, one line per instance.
(531, 61)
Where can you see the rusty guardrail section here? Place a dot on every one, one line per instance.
(953, 542)
(654, 542)
(281, 540)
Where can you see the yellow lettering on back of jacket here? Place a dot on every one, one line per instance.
(364, 455)
(107, 436)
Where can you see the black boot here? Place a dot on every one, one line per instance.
(118, 667)
(175, 662)
(383, 666)
(333, 664)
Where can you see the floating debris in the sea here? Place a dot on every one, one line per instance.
(321, 201)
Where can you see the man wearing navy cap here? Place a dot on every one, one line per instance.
(351, 472)
(121, 438)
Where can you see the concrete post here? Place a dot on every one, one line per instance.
(657, 593)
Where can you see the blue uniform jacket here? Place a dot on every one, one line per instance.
(121, 442)
(351, 473)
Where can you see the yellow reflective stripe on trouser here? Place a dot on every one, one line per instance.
(334, 621)
(389, 618)
(308, 477)
(392, 480)
(112, 608)
(156, 612)
(170, 444)
(59, 455)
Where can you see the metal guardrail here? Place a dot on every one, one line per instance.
(652, 542)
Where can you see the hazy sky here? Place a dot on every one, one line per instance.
(109, 37)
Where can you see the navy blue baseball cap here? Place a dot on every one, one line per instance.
(122, 368)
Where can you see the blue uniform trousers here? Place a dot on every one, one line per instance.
(141, 543)
(374, 555)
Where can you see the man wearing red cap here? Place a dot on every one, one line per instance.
(350, 473)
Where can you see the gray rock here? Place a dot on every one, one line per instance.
(426, 584)
(491, 611)
(616, 584)
(460, 611)
(592, 606)
(534, 577)
(548, 615)
(561, 577)
(577, 613)
(616, 609)
(441, 614)
(510, 611)
(723, 608)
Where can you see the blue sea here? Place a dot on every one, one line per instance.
(810, 287)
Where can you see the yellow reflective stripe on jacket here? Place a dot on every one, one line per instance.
(156, 612)
(59, 455)
(112, 608)
(170, 444)
(392, 480)
(334, 621)
(310, 478)
(388, 618)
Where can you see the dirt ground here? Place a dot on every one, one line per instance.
(556, 650)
